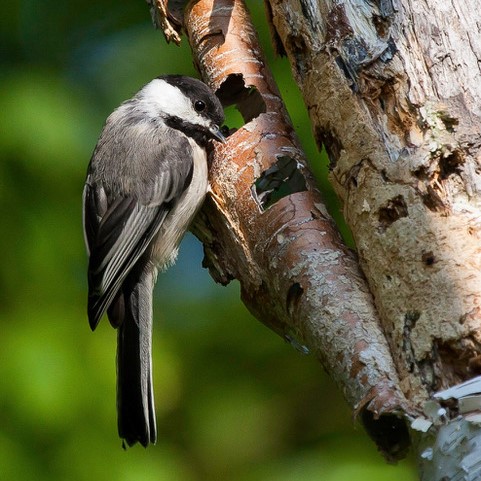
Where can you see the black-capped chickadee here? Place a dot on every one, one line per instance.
(145, 182)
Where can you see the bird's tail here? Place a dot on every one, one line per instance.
(132, 309)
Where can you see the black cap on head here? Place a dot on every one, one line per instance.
(198, 91)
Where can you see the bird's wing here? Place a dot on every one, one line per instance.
(119, 229)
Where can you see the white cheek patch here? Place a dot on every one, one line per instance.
(160, 96)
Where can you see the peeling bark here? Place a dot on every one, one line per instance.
(265, 224)
(393, 91)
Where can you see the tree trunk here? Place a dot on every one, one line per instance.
(393, 90)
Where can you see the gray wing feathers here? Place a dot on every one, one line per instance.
(120, 242)
(124, 207)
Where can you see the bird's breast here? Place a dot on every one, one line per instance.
(177, 222)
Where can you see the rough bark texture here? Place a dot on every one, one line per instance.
(393, 91)
(265, 225)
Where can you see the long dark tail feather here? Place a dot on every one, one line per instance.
(135, 398)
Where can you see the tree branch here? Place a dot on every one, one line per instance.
(265, 224)
(393, 90)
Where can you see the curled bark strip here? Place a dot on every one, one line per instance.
(168, 18)
(265, 224)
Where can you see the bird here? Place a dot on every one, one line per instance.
(146, 180)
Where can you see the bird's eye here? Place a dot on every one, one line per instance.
(199, 105)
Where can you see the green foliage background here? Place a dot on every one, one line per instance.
(234, 401)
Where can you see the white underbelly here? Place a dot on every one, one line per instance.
(177, 222)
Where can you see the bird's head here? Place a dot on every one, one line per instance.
(186, 104)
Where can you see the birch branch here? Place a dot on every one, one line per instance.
(266, 225)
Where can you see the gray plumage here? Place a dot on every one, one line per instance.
(145, 182)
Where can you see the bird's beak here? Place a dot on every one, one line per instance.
(216, 133)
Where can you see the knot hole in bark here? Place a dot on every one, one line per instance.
(458, 360)
(450, 163)
(389, 432)
(393, 210)
(246, 98)
(294, 295)
(328, 139)
(428, 258)
(280, 180)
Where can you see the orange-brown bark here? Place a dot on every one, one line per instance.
(265, 224)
